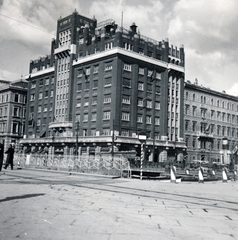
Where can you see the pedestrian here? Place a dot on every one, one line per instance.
(10, 155)
(1, 155)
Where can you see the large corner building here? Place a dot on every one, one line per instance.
(103, 85)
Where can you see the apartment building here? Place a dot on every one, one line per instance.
(102, 86)
(13, 98)
(210, 124)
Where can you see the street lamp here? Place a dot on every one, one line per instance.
(77, 137)
(142, 139)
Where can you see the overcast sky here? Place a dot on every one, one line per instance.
(207, 29)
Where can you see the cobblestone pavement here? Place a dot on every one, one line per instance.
(47, 205)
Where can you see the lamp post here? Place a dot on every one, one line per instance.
(77, 137)
(142, 139)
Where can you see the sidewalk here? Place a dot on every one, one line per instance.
(45, 205)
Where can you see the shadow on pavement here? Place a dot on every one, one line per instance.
(21, 197)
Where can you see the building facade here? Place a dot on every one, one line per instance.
(210, 124)
(101, 87)
(13, 98)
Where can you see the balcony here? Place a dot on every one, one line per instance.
(201, 134)
(63, 51)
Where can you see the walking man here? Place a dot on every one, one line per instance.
(1, 155)
(10, 155)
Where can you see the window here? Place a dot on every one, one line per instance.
(203, 112)
(108, 67)
(106, 132)
(157, 121)
(93, 132)
(45, 108)
(41, 83)
(149, 87)
(125, 133)
(40, 95)
(94, 101)
(106, 115)
(149, 104)
(158, 76)
(141, 71)
(87, 71)
(14, 128)
(141, 86)
(33, 85)
(95, 70)
(126, 82)
(157, 105)
(212, 114)
(126, 99)
(194, 111)
(46, 94)
(186, 96)
(86, 102)
(150, 73)
(157, 89)
(79, 87)
(39, 109)
(139, 118)
(186, 109)
(47, 81)
(228, 118)
(140, 103)
(223, 117)
(51, 93)
(108, 81)
(94, 116)
(87, 86)
(38, 122)
(194, 126)
(16, 98)
(32, 97)
(223, 131)
(212, 128)
(125, 116)
(127, 67)
(95, 83)
(186, 125)
(228, 131)
(194, 142)
(16, 112)
(85, 117)
(194, 97)
(148, 119)
(107, 98)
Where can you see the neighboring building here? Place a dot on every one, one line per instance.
(13, 98)
(103, 85)
(210, 124)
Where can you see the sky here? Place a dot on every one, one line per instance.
(207, 29)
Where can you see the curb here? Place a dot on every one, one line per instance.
(69, 173)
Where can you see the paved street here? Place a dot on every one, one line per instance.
(47, 205)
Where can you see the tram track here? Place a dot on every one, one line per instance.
(111, 185)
